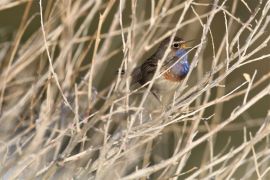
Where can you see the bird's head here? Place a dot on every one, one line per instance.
(177, 57)
(177, 48)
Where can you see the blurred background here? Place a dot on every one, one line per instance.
(61, 112)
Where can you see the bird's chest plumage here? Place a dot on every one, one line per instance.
(163, 85)
(177, 71)
(172, 74)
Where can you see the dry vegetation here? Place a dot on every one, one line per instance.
(66, 113)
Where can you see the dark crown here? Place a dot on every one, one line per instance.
(167, 40)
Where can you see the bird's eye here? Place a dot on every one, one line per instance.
(176, 45)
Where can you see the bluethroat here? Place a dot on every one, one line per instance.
(174, 69)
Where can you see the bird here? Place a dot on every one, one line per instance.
(174, 69)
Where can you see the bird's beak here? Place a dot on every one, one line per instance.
(184, 45)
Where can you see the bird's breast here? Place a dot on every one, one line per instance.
(177, 72)
(163, 85)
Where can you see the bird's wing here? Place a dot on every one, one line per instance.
(148, 68)
(144, 72)
(136, 75)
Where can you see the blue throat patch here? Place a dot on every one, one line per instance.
(181, 68)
